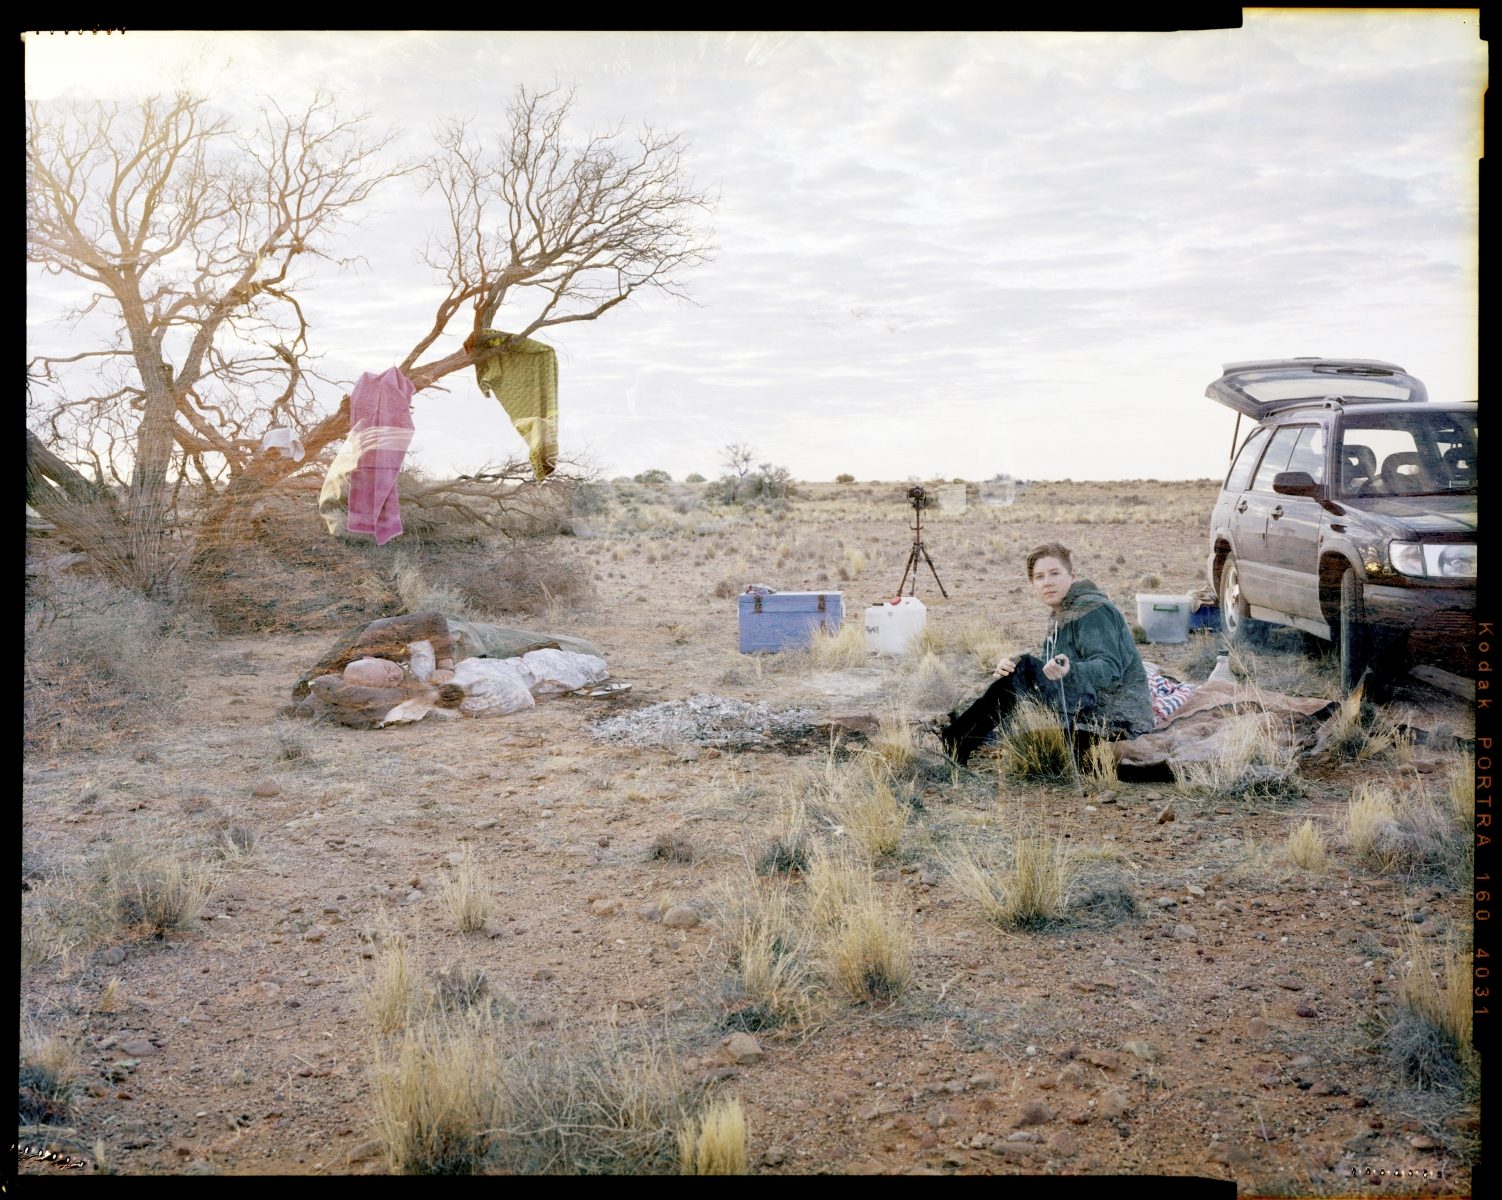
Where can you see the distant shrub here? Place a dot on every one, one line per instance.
(653, 475)
(844, 478)
(693, 477)
(590, 499)
(765, 486)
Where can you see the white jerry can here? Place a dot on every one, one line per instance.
(891, 628)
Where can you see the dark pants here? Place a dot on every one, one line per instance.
(968, 727)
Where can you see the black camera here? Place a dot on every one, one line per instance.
(917, 493)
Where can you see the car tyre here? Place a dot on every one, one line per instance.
(1355, 634)
(1236, 622)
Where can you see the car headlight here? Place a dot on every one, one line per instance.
(1422, 559)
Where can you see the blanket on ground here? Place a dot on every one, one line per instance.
(1197, 731)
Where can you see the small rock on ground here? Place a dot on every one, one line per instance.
(743, 1049)
(680, 916)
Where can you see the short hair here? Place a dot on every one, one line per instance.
(1049, 550)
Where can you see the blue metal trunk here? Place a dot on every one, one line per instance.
(787, 620)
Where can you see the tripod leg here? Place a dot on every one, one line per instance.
(911, 565)
(934, 569)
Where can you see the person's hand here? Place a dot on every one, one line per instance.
(1056, 667)
(1004, 668)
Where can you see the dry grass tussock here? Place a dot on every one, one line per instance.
(866, 945)
(1360, 731)
(463, 1091)
(770, 979)
(50, 1069)
(857, 797)
(135, 888)
(931, 685)
(1428, 1037)
(1305, 848)
(714, 1143)
(436, 1096)
(870, 949)
(895, 743)
(391, 996)
(1251, 762)
(100, 662)
(1034, 746)
(788, 848)
(466, 894)
(1027, 889)
(846, 647)
(1410, 832)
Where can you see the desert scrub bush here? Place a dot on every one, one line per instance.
(436, 1095)
(522, 574)
(1250, 762)
(714, 1142)
(1428, 1036)
(590, 499)
(49, 1075)
(100, 661)
(845, 647)
(1033, 745)
(769, 980)
(1028, 889)
(858, 799)
(466, 894)
(1409, 833)
(1305, 848)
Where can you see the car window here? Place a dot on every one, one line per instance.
(1279, 450)
(1246, 461)
(1424, 453)
(1309, 453)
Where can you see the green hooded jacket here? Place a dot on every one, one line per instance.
(1102, 656)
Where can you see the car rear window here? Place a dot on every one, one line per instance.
(1279, 450)
(1246, 461)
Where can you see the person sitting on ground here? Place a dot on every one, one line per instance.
(1089, 672)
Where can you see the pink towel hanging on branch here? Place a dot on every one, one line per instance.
(380, 418)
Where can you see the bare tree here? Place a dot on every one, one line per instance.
(738, 457)
(538, 231)
(184, 232)
(187, 229)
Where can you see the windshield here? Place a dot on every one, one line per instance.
(1431, 453)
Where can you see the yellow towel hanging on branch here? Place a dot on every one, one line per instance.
(525, 380)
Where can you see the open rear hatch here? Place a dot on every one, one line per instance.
(1259, 389)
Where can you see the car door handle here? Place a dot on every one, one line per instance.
(1241, 507)
(1276, 513)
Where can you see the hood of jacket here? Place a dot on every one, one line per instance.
(1082, 597)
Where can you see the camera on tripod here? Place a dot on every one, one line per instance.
(920, 498)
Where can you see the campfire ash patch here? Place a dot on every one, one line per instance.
(705, 720)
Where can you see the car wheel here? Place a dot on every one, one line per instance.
(1236, 622)
(1355, 636)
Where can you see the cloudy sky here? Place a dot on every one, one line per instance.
(950, 254)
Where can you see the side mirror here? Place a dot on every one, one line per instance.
(1295, 483)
